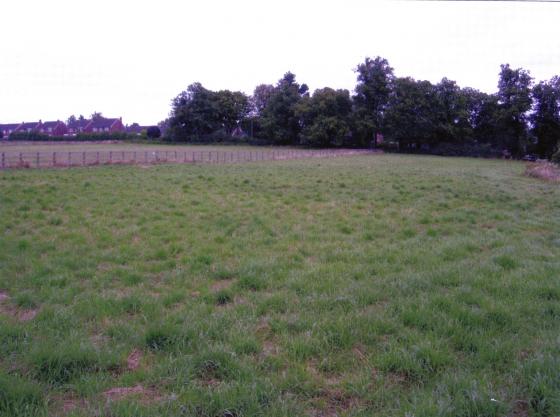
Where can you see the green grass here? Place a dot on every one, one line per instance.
(363, 286)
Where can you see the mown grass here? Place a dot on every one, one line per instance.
(363, 286)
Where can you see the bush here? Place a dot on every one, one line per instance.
(153, 132)
(470, 149)
(556, 157)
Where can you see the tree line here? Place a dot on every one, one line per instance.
(398, 113)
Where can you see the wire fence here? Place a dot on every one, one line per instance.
(66, 159)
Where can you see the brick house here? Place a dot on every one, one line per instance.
(54, 128)
(104, 125)
(77, 126)
(8, 128)
(29, 127)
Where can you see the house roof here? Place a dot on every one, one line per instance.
(78, 123)
(136, 128)
(9, 126)
(102, 123)
(53, 124)
(30, 125)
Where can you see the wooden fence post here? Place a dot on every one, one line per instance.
(110, 157)
(3, 160)
(83, 158)
(54, 159)
(69, 158)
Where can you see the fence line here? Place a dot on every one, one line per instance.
(65, 159)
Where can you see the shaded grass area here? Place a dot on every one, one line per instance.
(380, 285)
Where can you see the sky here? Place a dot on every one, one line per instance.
(130, 58)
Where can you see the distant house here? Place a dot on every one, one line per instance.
(104, 125)
(29, 127)
(135, 128)
(54, 128)
(77, 126)
(8, 128)
(238, 132)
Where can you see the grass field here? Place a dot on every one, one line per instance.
(363, 286)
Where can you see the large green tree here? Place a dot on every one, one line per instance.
(545, 118)
(410, 119)
(514, 99)
(279, 121)
(261, 96)
(194, 114)
(451, 113)
(325, 118)
(199, 114)
(233, 107)
(375, 80)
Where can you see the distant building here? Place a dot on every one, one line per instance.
(8, 128)
(59, 128)
(77, 126)
(27, 127)
(238, 132)
(135, 128)
(104, 125)
(54, 128)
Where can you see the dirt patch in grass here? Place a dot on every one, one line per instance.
(68, 404)
(270, 348)
(223, 284)
(19, 314)
(263, 329)
(133, 360)
(332, 403)
(543, 170)
(98, 340)
(329, 380)
(144, 395)
(26, 315)
(359, 352)
(520, 409)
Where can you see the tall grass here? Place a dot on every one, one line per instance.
(367, 286)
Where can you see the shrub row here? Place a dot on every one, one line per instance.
(85, 137)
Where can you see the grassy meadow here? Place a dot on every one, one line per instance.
(378, 285)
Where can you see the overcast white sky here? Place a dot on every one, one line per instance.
(130, 58)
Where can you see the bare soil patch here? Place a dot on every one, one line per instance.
(270, 348)
(69, 403)
(133, 360)
(333, 402)
(222, 284)
(17, 313)
(145, 395)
